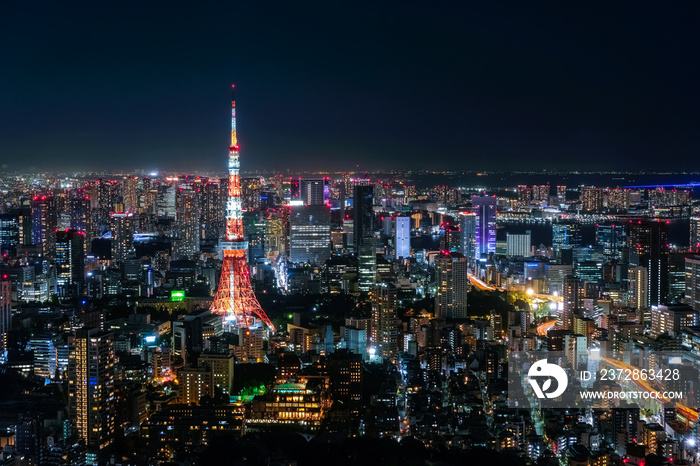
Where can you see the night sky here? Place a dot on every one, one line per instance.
(330, 85)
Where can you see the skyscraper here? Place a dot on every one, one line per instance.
(613, 238)
(591, 199)
(467, 228)
(15, 230)
(384, 338)
(5, 313)
(402, 237)
(648, 242)
(565, 235)
(70, 264)
(313, 191)
(363, 234)
(485, 237)
(91, 387)
(451, 286)
(188, 201)
(310, 233)
(123, 228)
(638, 287)
(695, 234)
(518, 245)
(44, 223)
(692, 282)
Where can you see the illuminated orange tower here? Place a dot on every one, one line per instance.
(235, 298)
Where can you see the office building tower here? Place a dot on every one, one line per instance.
(44, 347)
(123, 226)
(638, 287)
(213, 201)
(15, 231)
(309, 233)
(254, 228)
(187, 226)
(648, 243)
(402, 237)
(467, 228)
(5, 313)
(613, 239)
(591, 199)
(44, 223)
(572, 296)
(91, 387)
(355, 340)
(566, 235)
(692, 282)
(385, 327)
(695, 234)
(130, 188)
(676, 277)
(485, 237)
(363, 236)
(313, 191)
(70, 264)
(80, 213)
(452, 284)
(518, 245)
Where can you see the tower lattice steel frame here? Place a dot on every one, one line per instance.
(235, 297)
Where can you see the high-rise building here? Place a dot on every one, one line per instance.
(123, 228)
(540, 194)
(485, 237)
(384, 339)
(80, 213)
(692, 282)
(467, 228)
(561, 194)
(518, 245)
(313, 191)
(310, 233)
(613, 238)
(402, 237)
(648, 243)
(566, 235)
(363, 235)
(15, 230)
(5, 313)
(44, 223)
(591, 199)
(638, 287)
(618, 198)
(695, 234)
(91, 387)
(213, 201)
(524, 195)
(572, 295)
(452, 286)
(70, 264)
(187, 226)
(251, 191)
(130, 188)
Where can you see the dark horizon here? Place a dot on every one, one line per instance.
(392, 86)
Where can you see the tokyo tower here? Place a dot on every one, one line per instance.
(235, 298)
